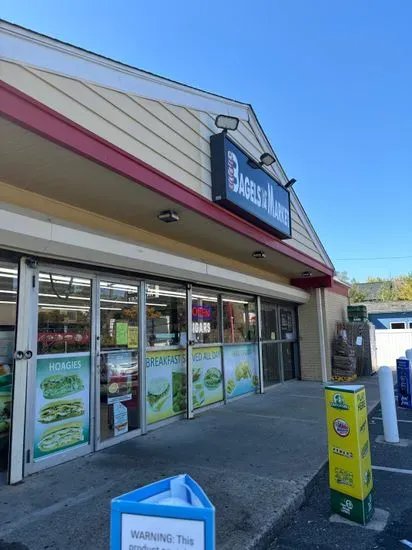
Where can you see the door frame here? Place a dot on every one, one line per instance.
(98, 444)
(23, 329)
(31, 466)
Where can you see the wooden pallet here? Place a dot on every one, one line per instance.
(344, 378)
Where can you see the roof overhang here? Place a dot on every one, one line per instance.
(44, 152)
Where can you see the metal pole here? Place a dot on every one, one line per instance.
(259, 339)
(189, 353)
(142, 356)
(408, 354)
(390, 422)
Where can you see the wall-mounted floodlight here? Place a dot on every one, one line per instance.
(226, 123)
(290, 183)
(266, 159)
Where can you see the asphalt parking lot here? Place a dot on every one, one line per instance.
(311, 528)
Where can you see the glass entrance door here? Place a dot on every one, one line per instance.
(289, 341)
(8, 308)
(118, 402)
(59, 384)
(272, 368)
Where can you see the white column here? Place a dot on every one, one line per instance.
(387, 395)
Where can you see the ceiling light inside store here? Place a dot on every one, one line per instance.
(234, 301)
(156, 305)
(168, 216)
(226, 123)
(200, 297)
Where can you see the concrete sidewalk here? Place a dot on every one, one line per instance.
(255, 458)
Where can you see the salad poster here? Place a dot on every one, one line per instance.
(241, 369)
(165, 383)
(207, 376)
(62, 403)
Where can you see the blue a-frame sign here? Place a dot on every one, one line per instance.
(171, 514)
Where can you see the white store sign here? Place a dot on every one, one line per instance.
(140, 532)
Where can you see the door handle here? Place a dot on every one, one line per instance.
(28, 354)
(18, 355)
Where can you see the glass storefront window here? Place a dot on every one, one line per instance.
(166, 366)
(239, 319)
(119, 366)
(64, 314)
(166, 315)
(205, 317)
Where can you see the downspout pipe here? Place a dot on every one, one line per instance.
(321, 330)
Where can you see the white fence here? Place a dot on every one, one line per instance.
(392, 344)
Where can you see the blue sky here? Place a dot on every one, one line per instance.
(331, 83)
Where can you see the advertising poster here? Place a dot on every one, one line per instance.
(132, 334)
(120, 419)
(62, 405)
(350, 470)
(119, 368)
(404, 376)
(121, 333)
(207, 376)
(165, 383)
(241, 369)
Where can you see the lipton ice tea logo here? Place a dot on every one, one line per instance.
(232, 171)
(341, 427)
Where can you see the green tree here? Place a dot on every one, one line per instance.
(356, 294)
(405, 287)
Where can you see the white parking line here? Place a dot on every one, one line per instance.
(395, 470)
(406, 543)
(380, 418)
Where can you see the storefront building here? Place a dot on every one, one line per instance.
(151, 264)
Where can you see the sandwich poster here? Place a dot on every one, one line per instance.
(62, 405)
(241, 369)
(207, 376)
(166, 384)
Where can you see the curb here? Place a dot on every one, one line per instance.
(265, 539)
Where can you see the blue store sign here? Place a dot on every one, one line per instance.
(249, 192)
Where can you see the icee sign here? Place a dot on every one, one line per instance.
(249, 192)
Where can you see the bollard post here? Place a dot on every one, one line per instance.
(386, 391)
